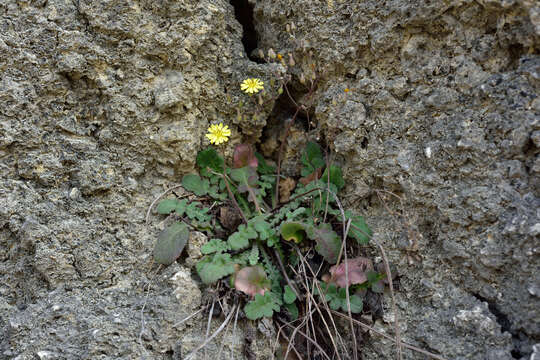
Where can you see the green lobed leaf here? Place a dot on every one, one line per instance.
(194, 212)
(296, 213)
(167, 206)
(337, 299)
(274, 275)
(254, 255)
(196, 184)
(261, 306)
(359, 230)
(242, 258)
(240, 239)
(246, 177)
(288, 295)
(356, 302)
(211, 268)
(170, 244)
(209, 158)
(181, 207)
(266, 185)
(215, 246)
(263, 227)
(312, 158)
(216, 193)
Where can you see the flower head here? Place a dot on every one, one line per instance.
(218, 134)
(252, 86)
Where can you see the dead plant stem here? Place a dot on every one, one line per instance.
(408, 346)
(218, 330)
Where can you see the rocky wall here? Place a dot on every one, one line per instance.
(104, 104)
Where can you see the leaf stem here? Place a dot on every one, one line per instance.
(233, 198)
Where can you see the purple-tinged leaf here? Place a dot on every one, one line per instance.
(328, 242)
(244, 155)
(357, 269)
(252, 280)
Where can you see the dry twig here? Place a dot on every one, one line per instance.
(158, 198)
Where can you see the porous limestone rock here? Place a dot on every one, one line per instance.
(104, 104)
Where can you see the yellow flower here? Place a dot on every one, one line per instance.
(252, 86)
(218, 134)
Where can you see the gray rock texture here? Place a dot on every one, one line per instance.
(442, 109)
(104, 104)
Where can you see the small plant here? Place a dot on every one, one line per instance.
(254, 252)
(271, 237)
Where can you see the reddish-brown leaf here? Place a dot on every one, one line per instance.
(357, 272)
(313, 176)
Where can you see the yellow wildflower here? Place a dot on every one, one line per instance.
(218, 134)
(252, 86)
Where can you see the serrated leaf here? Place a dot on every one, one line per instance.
(261, 306)
(167, 206)
(328, 242)
(311, 158)
(209, 158)
(181, 207)
(289, 296)
(170, 244)
(359, 230)
(293, 231)
(263, 227)
(266, 185)
(216, 193)
(240, 239)
(254, 255)
(242, 258)
(196, 184)
(337, 299)
(214, 246)
(296, 213)
(336, 176)
(244, 155)
(252, 280)
(195, 213)
(274, 275)
(214, 267)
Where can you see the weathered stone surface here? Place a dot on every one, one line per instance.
(103, 104)
(441, 108)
